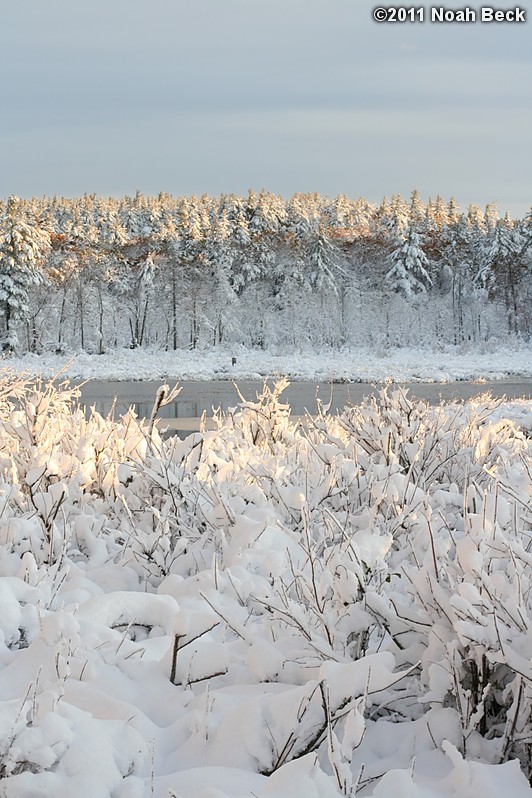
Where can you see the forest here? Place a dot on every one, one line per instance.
(166, 273)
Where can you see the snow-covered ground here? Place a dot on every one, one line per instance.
(399, 365)
(266, 609)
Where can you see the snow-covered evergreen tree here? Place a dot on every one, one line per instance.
(303, 213)
(23, 243)
(400, 215)
(131, 279)
(322, 262)
(502, 267)
(491, 216)
(493, 251)
(220, 255)
(437, 215)
(417, 211)
(453, 211)
(409, 271)
(184, 250)
(476, 219)
(525, 231)
(247, 249)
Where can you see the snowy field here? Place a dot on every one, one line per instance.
(265, 610)
(399, 365)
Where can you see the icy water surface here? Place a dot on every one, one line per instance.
(197, 397)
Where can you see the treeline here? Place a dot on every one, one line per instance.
(172, 272)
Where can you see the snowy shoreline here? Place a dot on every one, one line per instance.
(396, 365)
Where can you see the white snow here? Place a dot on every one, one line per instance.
(265, 609)
(399, 365)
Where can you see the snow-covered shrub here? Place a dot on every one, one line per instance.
(271, 596)
(456, 497)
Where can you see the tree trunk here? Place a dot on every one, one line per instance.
(194, 326)
(81, 316)
(174, 307)
(100, 326)
(61, 319)
(143, 325)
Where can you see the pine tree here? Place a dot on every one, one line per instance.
(456, 270)
(491, 216)
(23, 243)
(453, 211)
(409, 274)
(402, 215)
(491, 251)
(219, 259)
(526, 233)
(502, 267)
(247, 261)
(184, 247)
(323, 259)
(418, 211)
(476, 219)
(143, 293)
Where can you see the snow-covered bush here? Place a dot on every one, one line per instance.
(320, 602)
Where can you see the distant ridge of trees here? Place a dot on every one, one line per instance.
(308, 272)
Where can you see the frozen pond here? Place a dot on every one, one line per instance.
(197, 397)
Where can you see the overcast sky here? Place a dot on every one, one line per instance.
(194, 96)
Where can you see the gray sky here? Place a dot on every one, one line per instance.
(194, 96)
